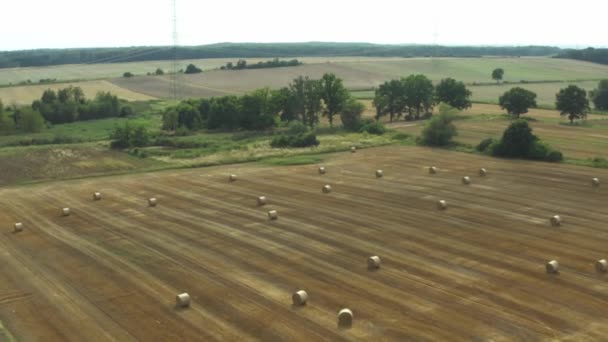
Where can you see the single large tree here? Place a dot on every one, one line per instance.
(419, 93)
(497, 74)
(453, 93)
(517, 101)
(389, 99)
(334, 96)
(599, 96)
(572, 101)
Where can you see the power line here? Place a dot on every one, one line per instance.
(175, 74)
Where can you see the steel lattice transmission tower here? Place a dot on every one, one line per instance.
(174, 72)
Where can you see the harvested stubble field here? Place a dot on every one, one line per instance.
(112, 269)
(368, 73)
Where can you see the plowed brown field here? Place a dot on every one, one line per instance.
(111, 270)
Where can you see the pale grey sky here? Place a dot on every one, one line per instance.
(30, 24)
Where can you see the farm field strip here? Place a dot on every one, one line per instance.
(25, 95)
(475, 270)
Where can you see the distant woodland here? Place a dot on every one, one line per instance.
(45, 57)
(590, 55)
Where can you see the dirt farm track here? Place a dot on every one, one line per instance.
(476, 271)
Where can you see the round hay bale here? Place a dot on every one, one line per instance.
(96, 196)
(326, 188)
(232, 178)
(152, 202)
(433, 170)
(466, 180)
(273, 215)
(261, 201)
(379, 173)
(601, 266)
(556, 221)
(345, 318)
(353, 149)
(322, 170)
(552, 267)
(299, 298)
(182, 300)
(373, 262)
(18, 227)
(483, 172)
(595, 182)
(442, 205)
(65, 211)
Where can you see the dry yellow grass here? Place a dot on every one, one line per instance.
(474, 272)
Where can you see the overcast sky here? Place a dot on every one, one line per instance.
(30, 24)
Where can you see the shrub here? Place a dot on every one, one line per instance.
(538, 151)
(519, 142)
(372, 127)
(484, 144)
(127, 74)
(301, 140)
(401, 136)
(351, 115)
(126, 111)
(440, 130)
(296, 127)
(29, 120)
(554, 156)
(129, 136)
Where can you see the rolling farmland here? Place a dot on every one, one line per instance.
(365, 74)
(112, 269)
(357, 72)
(24, 95)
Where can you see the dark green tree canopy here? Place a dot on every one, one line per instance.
(390, 99)
(159, 71)
(453, 93)
(419, 92)
(334, 95)
(192, 69)
(497, 74)
(517, 101)
(517, 141)
(572, 101)
(600, 95)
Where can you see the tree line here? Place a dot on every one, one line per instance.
(274, 63)
(589, 54)
(571, 101)
(45, 57)
(70, 104)
(414, 97)
(304, 100)
(58, 107)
